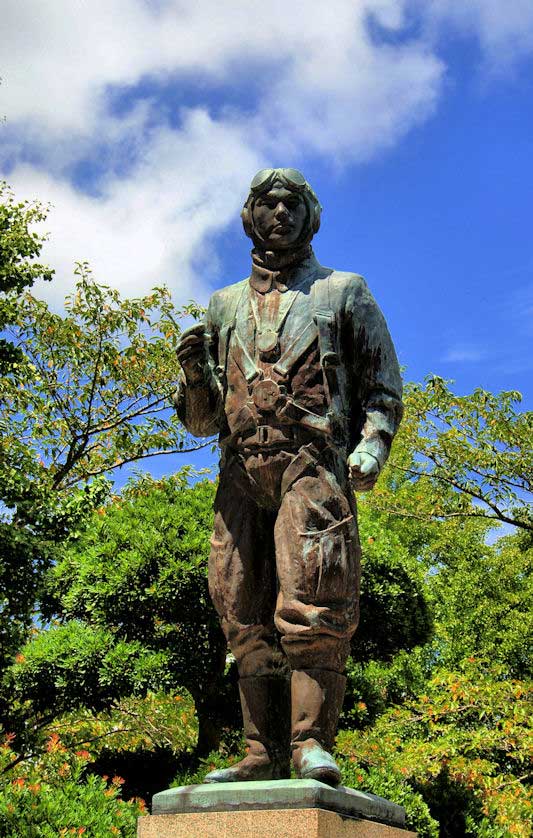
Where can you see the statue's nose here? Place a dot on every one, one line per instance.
(282, 211)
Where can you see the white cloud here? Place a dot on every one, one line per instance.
(504, 29)
(315, 80)
(318, 84)
(465, 354)
(373, 97)
(151, 228)
(317, 75)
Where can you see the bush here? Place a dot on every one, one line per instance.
(465, 746)
(50, 797)
(393, 788)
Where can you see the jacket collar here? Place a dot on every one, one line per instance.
(264, 278)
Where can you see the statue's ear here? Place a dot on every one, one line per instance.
(246, 215)
(316, 213)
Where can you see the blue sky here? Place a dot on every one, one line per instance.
(144, 122)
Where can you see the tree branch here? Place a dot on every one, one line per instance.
(126, 460)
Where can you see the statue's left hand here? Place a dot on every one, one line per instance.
(364, 470)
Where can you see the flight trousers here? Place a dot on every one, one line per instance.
(284, 566)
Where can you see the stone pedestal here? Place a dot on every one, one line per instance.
(271, 809)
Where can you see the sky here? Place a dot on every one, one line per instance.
(142, 123)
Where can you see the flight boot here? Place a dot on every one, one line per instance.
(316, 698)
(265, 712)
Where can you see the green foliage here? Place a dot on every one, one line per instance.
(394, 611)
(23, 558)
(53, 797)
(465, 745)
(477, 594)
(373, 686)
(469, 456)
(76, 664)
(432, 731)
(393, 788)
(396, 620)
(140, 572)
(92, 393)
(143, 739)
(80, 395)
(152, 722)
(20, 246)
(481, 597)
(129, 601)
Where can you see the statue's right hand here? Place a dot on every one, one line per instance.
(193, 354)
(363, 469)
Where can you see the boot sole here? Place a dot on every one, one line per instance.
(323, 775)
(233, 777)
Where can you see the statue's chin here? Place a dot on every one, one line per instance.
(281, 243)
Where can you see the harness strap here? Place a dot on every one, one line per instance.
(247, 366)
(326, 322)
(324, 318)
(244, 360)
(296, 349)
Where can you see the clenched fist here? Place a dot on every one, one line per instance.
(364, 470)
(193, 354)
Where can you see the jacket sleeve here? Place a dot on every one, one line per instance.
(198, 406)
(377, 384)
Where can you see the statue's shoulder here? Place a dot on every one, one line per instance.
(338, 285)
(223, 302)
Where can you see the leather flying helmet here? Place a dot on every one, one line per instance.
(293, 180)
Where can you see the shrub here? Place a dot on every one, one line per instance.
(465, 746)
(50, 797)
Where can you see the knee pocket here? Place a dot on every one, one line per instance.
(329, 564)
(324, 564)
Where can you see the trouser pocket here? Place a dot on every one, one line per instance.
(327, 571)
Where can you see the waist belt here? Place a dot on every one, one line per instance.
(266, 436)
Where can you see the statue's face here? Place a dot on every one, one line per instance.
(279, 217)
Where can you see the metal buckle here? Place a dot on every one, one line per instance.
(266, 394)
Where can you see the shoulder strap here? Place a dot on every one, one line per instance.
(325, 320)
(328, 338)
(229, 318)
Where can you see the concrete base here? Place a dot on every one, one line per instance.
(287, 823)
(271, 809)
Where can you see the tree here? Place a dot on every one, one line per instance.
(83, 394)
(132, 608)
(20, 246)
(91, 394)
(396, 620)
(464, 744)
(22, 558)
(448, 725)
(53, 796)
(468, 456)
(481, 597)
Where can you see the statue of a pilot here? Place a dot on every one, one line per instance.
(295, 369)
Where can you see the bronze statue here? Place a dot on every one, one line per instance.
(295, 369)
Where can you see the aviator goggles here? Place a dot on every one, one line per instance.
(266, 177)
